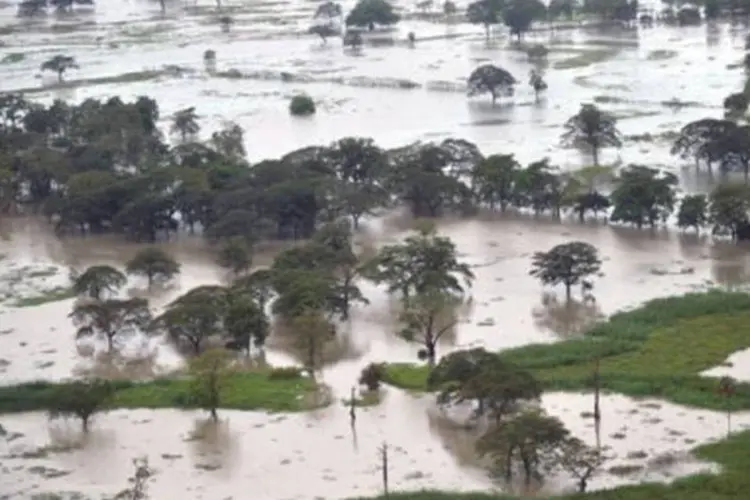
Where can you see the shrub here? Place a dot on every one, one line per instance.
(302, 105)
(372, 375)
(285, 373)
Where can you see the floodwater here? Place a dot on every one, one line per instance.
(360, 94)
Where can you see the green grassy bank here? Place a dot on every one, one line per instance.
(733, 483)
(656, 350)
(243, 391)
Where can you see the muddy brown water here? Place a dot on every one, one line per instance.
(256, 452)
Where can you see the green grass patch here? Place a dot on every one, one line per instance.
(657, 350)
(52, 295)
(243, 391)
(586, 58)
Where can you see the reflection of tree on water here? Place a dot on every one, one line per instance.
(339, 348)
(729, 264)
(565, 318)
(214, 445)
(115, 365)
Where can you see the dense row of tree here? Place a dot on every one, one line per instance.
(105, 167)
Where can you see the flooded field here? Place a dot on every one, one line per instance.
(394, 94)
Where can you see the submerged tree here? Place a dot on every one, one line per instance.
(312, 332)
(111, 318)
(81, 399)
(643, 195)
(235, 255)
(485, 12)
(245, 323)
(185, 124)
(567, 263)
(492, 80)
(580, 460)
(427, 317)
(153, 263)
(95, 281)
(537, 83)
(209, 372)
(693, 212)
(369, 13)
(59, 64)
(519, 14)
(593, 128)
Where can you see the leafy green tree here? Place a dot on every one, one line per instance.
(59, 64)
(235, 255)
(369, 13)
(246, 323)
(529, 440)
(519, 14)
(489, 79)
(427, 317)
(229, 142)
(96, 281)
(494, 179)
(693, 212)
(729, 205)
(643, 195)
(258, 285)
(593, 128)
(194, 317)
(312, 332)
(153, 263)
(81, 399)
(568, 264)
(485, 12)
(423, 263)
(185, 124)
(111, 318)
(302, 105)
(580, 460)
(696, 140)
(210, 372)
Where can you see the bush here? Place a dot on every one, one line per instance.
(372, 375)
(302, 105)
(285, 373)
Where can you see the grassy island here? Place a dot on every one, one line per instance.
(657, 350)
(243, 391)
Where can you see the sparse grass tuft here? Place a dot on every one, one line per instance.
(46, 296)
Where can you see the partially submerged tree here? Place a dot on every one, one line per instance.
(245, 323)
(369, 13)
(485, 12)
(153, 263)
(59, 64)
(302, 105)
(643, 195)
(209, 372)
(568, 264)
(527, 441)
(353, 39)
(96, 281)
(185, 124)
(491, 80)
(81, 399)
(593, 128)
(323, 30)
(427, 317)
(312, 332)
(519, 14)
(537, 83)
(111, 318)
(235, 254)
(580, 460)
(693, 212)
(195, 317)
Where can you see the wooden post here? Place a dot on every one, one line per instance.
(597, 409)
(384, 466)
(353, 407)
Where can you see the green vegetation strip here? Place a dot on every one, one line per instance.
(733, 483)
(243, 391)
(657, 350)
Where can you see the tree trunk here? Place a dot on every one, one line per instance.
(582, 483)
(595, 155)
(214, 415)
(567, 291)
(110, 342)
(85, 423)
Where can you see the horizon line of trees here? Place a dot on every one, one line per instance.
(104, 166)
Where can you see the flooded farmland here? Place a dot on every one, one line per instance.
(395, 94)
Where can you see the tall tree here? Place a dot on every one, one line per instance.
(111, 318)
(153, 263)
(210, 372)
(643, 195)
(593, 128)
(96, 281)
(81, 398)
(567, 263)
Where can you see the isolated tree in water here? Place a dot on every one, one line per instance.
(210, 372)
(529, 440)
(567, 263)
(81, 399)
(96, 281)
(519, 14)
(153, 263)
(235, 255)
(185, 124)
(369, 13)
(693, 212)
(194, 317)
(489, 79)
(485, 12)
(111, 318)
(593, 128)
(59, 64)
